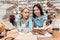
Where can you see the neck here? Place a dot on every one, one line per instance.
(23, 20)
(39, 17)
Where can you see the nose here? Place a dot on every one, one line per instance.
(27, 14)
(36, 11)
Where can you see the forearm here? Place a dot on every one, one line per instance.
(48, 27)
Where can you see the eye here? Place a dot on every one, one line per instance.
(37, 9)
(26, 12)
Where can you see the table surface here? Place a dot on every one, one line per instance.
(56, 36)
(14, 33)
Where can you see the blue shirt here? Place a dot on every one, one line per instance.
(39, 22)
(28, 25)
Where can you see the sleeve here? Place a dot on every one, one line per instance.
(18, 21)
(17, 17)
(18, 25)
(32, 19)
(30, 25)
(44, 18)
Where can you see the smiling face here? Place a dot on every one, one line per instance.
(2, 27)
(36, 11)
(25, 14)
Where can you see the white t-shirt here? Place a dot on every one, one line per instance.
(23, 25)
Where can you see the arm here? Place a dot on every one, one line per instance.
(44, 24)
(48, 27)
(19, 28)
(30, 25)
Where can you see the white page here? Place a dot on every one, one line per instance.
(47, 35)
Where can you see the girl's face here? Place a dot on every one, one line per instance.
(36, 11)
(25, 13)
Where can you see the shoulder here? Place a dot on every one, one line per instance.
(33, 19)
(43, 17)
(30, 18)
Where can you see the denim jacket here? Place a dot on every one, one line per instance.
(38, 22)
(28, 25)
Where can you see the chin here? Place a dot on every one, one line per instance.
(26, 18)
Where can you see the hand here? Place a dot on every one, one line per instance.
(25, 31)
(42, 31)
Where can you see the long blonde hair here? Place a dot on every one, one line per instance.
(22, 9)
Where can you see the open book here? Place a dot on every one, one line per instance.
(40, 28)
